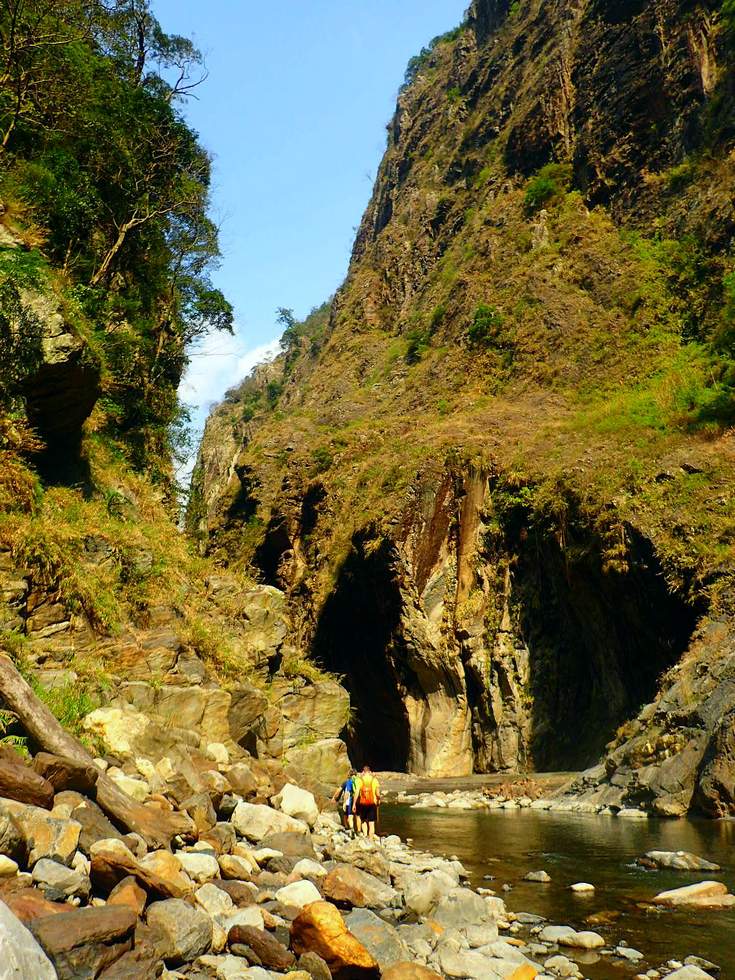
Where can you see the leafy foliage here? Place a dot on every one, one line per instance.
(94, 147)
(548, 186)
(420, 60)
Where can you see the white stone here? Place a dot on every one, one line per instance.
(257, 821)
(249, 916)
(632, 813)
(298, 803)
(199, 867)
(214, 900)
(552, 934)
(582, 940)
(137, 788)
(298, 894)
(560, 966)
(310, 869)
(21, 958)
(217, 752)
(689, 973)
(582, 887)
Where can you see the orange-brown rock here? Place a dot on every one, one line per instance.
(28, 904)
(410, 971)
(524, 972)
(84, 942)
(272, 954)
(130, 894)
(66, 774)
(319, 928)
(112, 861)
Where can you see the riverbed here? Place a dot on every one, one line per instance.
(597, 849)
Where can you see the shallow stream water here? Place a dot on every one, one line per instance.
(598, 849)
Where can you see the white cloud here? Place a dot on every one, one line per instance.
(221, 361)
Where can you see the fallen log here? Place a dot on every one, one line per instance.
(64, 773)
(156, 827)
(19, 782)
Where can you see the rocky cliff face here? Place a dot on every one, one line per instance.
(497, 486)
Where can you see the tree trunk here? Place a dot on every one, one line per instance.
(19, 782)
(156, 827)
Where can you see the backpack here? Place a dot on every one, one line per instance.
(368, 796)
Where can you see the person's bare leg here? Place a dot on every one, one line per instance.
(371, 829)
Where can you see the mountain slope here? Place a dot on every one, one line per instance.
(498, 481)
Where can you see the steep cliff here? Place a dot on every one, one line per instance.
(497, 481)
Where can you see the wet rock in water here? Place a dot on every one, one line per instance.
(552, 934)
(689, 973)
(269, 951)
(186, 932)
(582, 940)
(21, 956)
(298, 894)
(409, 971)
(628, 953)
(84, 942)
(297, 803)
(542, 877)
(699, 961)
(351, 887)
(561, 966)
(582, 888)
(381, 939)
(704, 894)
(320, 929)
(679, 861)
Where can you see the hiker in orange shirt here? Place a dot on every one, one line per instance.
(367, 800)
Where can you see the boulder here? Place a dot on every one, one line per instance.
(298, 803)
(95, 825)
(680, 861)
(707, 894)
(44, 836)
(235, 868)
(242, 893)
(140, 963)
(463, 963)
(543, 877)
(256, 822)
(315, 966)
(272, 954)
(310, 869)
(129, 893)
(8, 867)
(380, 938)
(213, 900)
(350, 887)
(286, 844)
(84, 942)
(409, 971)
(199, 867)
(422, 893)
(581, 940)
(21, 957)
(324, 761)
(57, 882)
(461, 907)
(320, 929)
(689, 973)
(12, 841)
(163, 866)
(112, 861)
(298, 894)
(28, 904)
(19, 782)
(186, 932)
(228, 967)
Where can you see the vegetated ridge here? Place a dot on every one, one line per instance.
(495, 474)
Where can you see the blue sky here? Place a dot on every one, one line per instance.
(294, 113)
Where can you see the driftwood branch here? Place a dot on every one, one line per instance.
(156, 827)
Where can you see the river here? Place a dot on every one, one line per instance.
(597, 849)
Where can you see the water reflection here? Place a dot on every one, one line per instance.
(601, 850)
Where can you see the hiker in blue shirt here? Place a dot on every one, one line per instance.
(347, 792)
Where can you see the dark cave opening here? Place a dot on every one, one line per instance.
(598, 641)
(356, 637)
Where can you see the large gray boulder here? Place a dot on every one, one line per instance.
(21, 958)
(257, 821)
(380, 938)
(186, 931)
